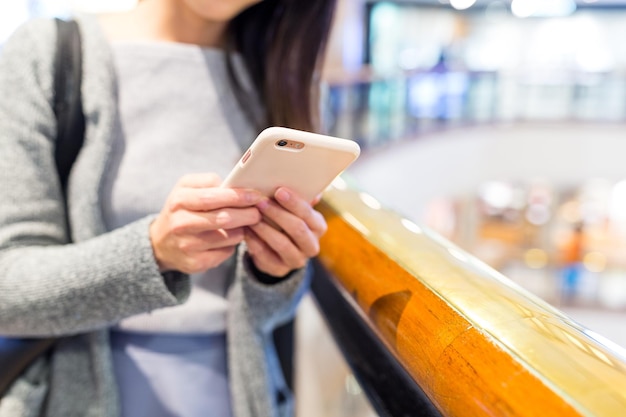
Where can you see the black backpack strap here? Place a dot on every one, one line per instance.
(68, 106)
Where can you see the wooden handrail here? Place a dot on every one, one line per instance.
(390, 390)
(476, 343)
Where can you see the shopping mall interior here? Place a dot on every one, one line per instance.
(501, 129)
(498, 125)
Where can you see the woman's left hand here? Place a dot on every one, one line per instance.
(278, 249)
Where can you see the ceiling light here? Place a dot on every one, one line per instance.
(462, 4)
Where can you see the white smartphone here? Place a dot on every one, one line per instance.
(304, 162)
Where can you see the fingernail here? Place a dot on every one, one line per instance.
(263, 204)
(252, 196)
(282, 195)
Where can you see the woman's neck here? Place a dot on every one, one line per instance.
(164, 20)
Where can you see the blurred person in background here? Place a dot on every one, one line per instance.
(166, 300)
(571, 256)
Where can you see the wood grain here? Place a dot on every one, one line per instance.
(476, 344)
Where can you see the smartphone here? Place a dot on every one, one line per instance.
(302, 161)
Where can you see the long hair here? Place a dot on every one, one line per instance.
(282, 43)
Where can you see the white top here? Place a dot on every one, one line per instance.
(178, 115)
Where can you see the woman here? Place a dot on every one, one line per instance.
(169, 277)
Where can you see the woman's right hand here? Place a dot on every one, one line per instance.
(201, 224)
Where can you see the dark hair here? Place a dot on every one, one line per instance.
(282, 43)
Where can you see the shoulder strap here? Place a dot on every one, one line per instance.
(17, 354)
(68, 106)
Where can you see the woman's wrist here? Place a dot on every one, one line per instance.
(261, 276)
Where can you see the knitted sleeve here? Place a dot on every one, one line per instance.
(47, 286)
(257, 384)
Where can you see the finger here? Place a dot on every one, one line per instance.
(200, 180)
(317, 223)
(281, 245)
(194, 222)
(206, 199)
(257, 248)
(264, 258)
(211, 240)
(296, 228)
(302, 209)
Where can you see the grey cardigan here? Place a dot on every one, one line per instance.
(77, 290)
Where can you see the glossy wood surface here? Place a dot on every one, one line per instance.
(476, 343)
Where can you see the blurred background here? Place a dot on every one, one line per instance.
(500, 124)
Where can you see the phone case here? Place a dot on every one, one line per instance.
(304, 162)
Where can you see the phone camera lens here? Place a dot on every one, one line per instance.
(282, 143)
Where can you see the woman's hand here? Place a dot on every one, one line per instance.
(201, 224)
(293, 239)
